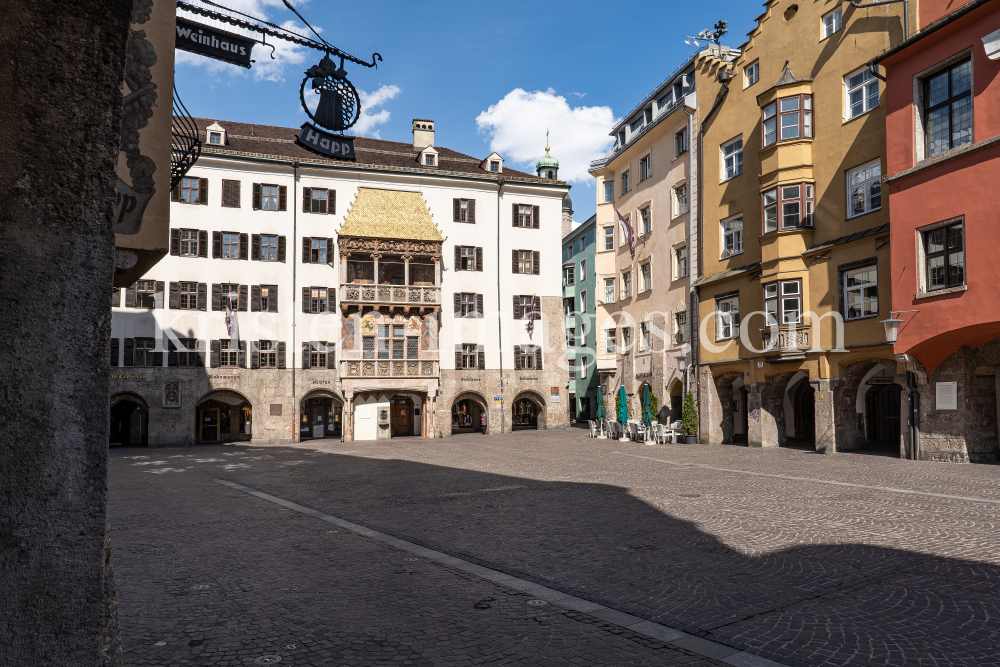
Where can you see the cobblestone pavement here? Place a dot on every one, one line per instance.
(797, 557)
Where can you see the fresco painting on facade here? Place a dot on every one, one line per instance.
(366, 295)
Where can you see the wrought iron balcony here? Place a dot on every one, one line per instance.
(355, 293)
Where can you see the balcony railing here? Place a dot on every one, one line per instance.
(392, 294)
(392, 368)
(789, 340)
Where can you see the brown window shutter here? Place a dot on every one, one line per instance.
(458, 356)
(175, 194)
(158, 295)
(536, 262)
(281, 354)
(479, 259)
(225, 193)
(456, 210)
(331, 198)
(255, 298)
(216, 245)
(458, 258)
(254, 354)
(202, 296)
(458, 304)
(281, 248)
(255, 246)
(517, 307)
(517, 264)
(241, 359)
(534, 216)
(538, 357)
(331, 299)
(282, 198)
(331, 356)
(114, 351)
(305, 299)
(479, 305)
(216, 296)
(481, 354)
(306, 349)
(175, 242)
(329, 252)
(472, 210)
(214, 353)
(175, 296)
(306, 242)
(243, 298)
(129, 359)
(306, 200)
(130, 296)
(244, 246)
(256, 196)
(272, 302)
(517, 357)
(202, 243)
(235, 197)
(203, 191)
(116, 297)
(515, 215)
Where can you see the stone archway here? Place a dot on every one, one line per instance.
(768, 425)
(863, 380)
(717, 407)
(672, 407)
(469, 413)
(321, 415)
(129, 417)
(531, 419)
(223, 415)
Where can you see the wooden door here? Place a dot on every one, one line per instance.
(210, 425)
(402, 418)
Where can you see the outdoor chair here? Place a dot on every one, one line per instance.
(593, 428)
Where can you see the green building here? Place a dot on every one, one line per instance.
(579, 294)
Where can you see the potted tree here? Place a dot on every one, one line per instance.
(689, 415)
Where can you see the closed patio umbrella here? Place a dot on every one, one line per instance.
(622, 406)
(647, 412)
(602, 413)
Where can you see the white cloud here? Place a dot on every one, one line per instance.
(517, 124)
(371, 115)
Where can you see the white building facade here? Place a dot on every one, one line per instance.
(388, 296)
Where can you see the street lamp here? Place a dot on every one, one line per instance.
(682, 363)
(892, 325)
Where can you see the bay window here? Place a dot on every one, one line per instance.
(783, 303)
(786, 119)
(795, 204)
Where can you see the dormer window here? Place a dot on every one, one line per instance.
(494, 166)
(429, 160)
(215, 138)
(215, 135)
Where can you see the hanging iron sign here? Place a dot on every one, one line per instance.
(214, 43)
(337, 109)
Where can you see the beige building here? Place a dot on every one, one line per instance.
(795, 275)
(648, 178)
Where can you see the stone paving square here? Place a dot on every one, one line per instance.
(785, 555)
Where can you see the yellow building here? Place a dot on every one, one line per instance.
(795, 259)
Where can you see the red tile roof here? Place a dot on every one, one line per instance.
(268, 141)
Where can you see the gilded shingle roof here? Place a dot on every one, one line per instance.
(390, 214)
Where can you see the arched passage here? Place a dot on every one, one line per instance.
(674, 403)
(869, 412)
(321, 415)
(799, 409)
(469, 414)
(223, 415)
(528, 412)
(719, 407)
(129, 420)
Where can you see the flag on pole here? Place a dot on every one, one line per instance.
(531, 317)
(232, 324)
(627, 232)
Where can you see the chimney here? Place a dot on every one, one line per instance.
(423, 133)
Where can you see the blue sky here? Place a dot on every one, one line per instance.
(491, 75)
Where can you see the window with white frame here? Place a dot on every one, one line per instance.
(231, 291)
(732, 236)
(626, 339)
(268, 248)
(647, 277)
(680, 200)
(609, 290)
(494, 166)
(523, 215)
(625, 183)
(609, 238)
(569, 275)
(470, 356)
(944, 257)
(230, 245)
(864, 189)
(583, 302)
(680, 324)
(526, 262)
(583, 367)
(948, 108)
(643, 168)
(317, 300)
(783, 302)
(317, 354)
(832, 22)
(647, 220)
(269, 197)
(727, 317)
(791, 206)
(268, 354)
(611, 341)
(645, 338)
(861, 292)
(681, 142)
(143, 355)
(609, 192)
(862, 92)
(571, 337)
(189, 242)
(627, 283)
(467, 304)
(680, 262)
(572, 368)
(229, 355)
(569, 306)
(732, 158)
(583, 269)
(751, 74)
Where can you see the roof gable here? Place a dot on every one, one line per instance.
(390, 214)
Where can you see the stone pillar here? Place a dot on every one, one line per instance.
(375, 272)
(348, 417)
(762, 427)
(710, 413)
(433, 416)
(825, 409)
(57, 242)
(406, 271)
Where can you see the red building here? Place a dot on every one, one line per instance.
(943, 161)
